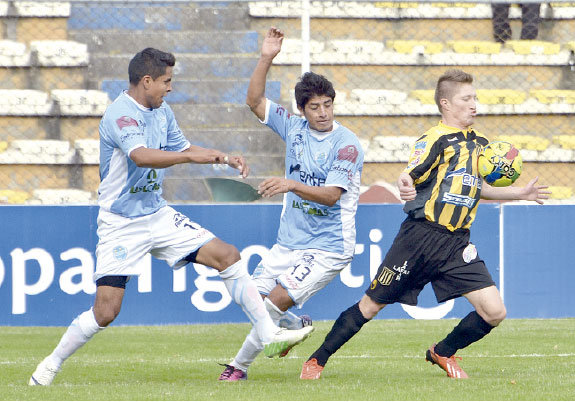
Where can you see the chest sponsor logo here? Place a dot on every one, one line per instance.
(458, 199)
(466, 178)
(309, 210)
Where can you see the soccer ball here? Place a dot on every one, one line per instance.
(500, 164)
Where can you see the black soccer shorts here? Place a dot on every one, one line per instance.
(424, 252)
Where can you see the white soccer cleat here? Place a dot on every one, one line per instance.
(286, 339)
(44, 374)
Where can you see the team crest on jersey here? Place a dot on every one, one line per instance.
(126, 121)
(348, 153)
(120, 253)
(320, 157)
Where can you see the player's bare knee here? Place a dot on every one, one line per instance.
(105, 315)
(228, 257)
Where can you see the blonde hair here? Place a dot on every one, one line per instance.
(447, 84)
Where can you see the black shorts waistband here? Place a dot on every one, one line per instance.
(437, 227)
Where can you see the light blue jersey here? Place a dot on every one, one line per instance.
(318, 159)
(126, 189)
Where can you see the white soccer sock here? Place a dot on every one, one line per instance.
(78, 333)
(284, 319)
(248, 352)
(245, 293)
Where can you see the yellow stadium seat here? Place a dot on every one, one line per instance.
(449, 5)
(13, 196)
(391, 4)
(501, 96)
(425, 96)
(522, 141)
(560, 192)
(475, 46)
(562, 5)
(548, 96)
(407, 46)
(533, 46)
(3, 146)
(565, 141)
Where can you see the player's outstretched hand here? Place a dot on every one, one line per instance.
(406, 190)
(275, 185)
(532, 192)
(238, 162)
(272, 43)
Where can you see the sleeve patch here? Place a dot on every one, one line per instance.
(348, 153)
(126, 121)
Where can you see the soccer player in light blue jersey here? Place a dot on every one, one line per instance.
(139, 137)
(323, 166)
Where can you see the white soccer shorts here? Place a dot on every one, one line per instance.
(302, 273)
(167, 234)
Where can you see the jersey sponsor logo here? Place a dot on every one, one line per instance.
(280, 110)
(414, 162)
(295, 168)
(420, 145)
(469, 253)
(120, 253)
(401, 271)
(311, 179)
(306, 209)
(458, 199)
(452, 139)
(152, 185)
(126, 121)
(348, 153)
(467, 179)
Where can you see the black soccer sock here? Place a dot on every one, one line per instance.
(471, 329)
(345, 327)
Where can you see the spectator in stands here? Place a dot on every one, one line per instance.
(139, 138)
(529, 21)
(323, 165)
(441, 187)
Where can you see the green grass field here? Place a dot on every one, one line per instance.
(520, 360)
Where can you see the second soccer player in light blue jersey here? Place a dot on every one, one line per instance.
(323, 165)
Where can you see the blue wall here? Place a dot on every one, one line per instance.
(47, 261)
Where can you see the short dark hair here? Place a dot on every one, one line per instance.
(310, 85)
(150, 61)
(448, 82)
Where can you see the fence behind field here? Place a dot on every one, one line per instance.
(61, 64)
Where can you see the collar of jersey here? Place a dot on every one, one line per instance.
(453, 129)
(320, 135)
(141, 107)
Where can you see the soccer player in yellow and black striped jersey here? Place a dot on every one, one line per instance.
(441, 187)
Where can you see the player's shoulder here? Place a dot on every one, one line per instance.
(481, 138)
(346, 136)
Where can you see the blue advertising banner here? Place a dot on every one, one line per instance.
(47, 261)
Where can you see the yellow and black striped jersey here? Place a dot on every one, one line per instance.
(443, 165)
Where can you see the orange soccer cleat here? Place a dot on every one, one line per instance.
(311, 370)
(449, 364)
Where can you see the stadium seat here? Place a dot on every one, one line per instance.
(475, 47)
(501, 96)
(13, 54)
(549, 96)
(59, 53)
(14, 196)
(24, 102)
(560, 192)
(565, 141)
(60, 196)
(415, 46)
(533, 47)
(80, 102)
(425, 96)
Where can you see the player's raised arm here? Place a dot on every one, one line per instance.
(271, 46)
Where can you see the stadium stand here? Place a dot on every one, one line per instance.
(385, 65)
(61, 63)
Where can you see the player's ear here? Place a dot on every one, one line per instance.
(300, 110)
(444, 103)
(146, 81)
